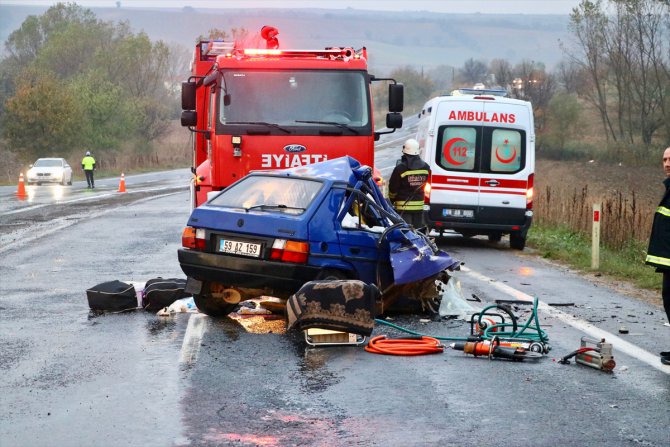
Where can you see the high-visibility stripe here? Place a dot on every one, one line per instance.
(663, 210)
(417, 172)
(658, 260)
(415, 205)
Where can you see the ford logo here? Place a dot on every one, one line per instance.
(292, 148)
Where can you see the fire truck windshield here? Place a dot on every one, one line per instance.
(298, 99)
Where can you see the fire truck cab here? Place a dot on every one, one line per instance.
(255, 109)
(480, 146)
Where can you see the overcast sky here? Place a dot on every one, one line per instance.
(457, 6)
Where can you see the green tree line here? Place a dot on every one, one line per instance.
(72, 83)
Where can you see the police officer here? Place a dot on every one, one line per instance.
(658, 254)
(88, 165)
(406, 184)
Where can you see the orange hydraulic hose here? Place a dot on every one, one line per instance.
(404, 346)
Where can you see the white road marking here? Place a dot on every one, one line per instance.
(190, 348)
(591, 330)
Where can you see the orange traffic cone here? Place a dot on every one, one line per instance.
(21, 191)
(122, 184)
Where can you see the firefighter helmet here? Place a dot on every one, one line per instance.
(411, 147)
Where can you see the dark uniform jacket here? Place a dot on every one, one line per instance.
(406, 184)
(658, 254)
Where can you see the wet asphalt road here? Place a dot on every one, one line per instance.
(71, 378)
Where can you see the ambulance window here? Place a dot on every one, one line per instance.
(506, 150)
(458, 148)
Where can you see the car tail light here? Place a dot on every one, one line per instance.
(529, 192)
(193, 238)
(290, 251)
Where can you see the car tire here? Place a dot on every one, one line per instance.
(495, 237)
(211, 305)
(517, 241)
(332, 275)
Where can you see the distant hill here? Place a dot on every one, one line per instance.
(421, 39)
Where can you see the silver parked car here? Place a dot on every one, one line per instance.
(50, 170)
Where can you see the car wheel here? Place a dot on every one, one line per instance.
(517, 241)
(213, 304)
(495, 237)
(332, 275)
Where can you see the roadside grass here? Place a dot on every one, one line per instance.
(569, 247)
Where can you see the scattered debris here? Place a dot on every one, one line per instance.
(561, 304)
(623, 330)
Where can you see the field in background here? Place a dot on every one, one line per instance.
(566, 191)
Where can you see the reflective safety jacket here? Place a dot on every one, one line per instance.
(658, 253)
(88, 163)
(406, 183)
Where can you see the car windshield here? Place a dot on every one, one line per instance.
(48, 163)
(295, 98)
(269, 194)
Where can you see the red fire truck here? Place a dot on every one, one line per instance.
(271, 108)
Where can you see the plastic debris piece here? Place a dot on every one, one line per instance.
(453, 304)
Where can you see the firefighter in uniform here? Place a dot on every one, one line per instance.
(88, 165)
(407, 182)
(658, 254)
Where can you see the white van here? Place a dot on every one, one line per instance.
(480, 147)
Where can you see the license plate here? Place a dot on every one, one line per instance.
(449, 212)
(239, 248)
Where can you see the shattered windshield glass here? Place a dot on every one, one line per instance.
(271, 194)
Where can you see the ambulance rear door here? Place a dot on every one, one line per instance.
(455, 165)
(507, 162)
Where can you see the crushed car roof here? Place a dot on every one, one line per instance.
(343, 169)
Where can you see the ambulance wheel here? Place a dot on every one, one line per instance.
(332, 275)
(495, 237)
(517, 241)
(214, 306)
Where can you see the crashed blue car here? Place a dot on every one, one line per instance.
(272, 231)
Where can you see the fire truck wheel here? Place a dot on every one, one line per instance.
(495, 237)
(214, 306)
(517, 241)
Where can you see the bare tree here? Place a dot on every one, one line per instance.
(473, 71)
(622, 47)
(502, 70)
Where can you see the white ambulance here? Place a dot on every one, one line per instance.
(481, 149)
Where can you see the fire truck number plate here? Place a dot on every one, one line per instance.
(240, 248)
